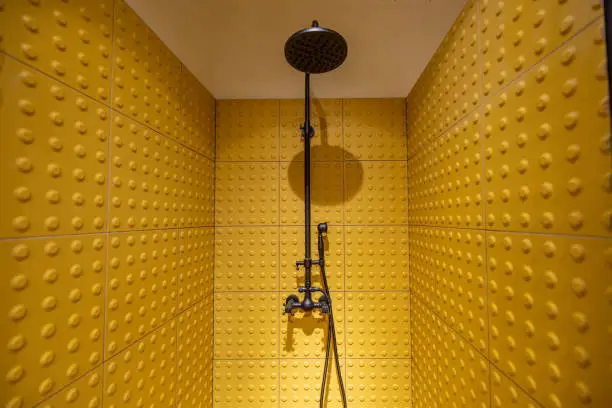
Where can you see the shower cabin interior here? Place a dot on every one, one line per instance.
(148, 232)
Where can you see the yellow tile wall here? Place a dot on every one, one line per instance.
(264, 358)
(509, 210)
(107, 167)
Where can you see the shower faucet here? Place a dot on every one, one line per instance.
(293, 302)
(315, 50)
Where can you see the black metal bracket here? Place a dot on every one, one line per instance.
(311, 131)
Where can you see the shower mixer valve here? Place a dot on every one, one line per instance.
(293, 302)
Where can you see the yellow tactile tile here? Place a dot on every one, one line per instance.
(144, 374)
(464, 373)
(195, 265)
(142, 285)
(246, 193)
(515, 36)
(549, 300)
(246, 259)
(375, 192)
(456, 193)
(377, 258)
(374, 129)
(422, 263)
(53, 303)
(195, 361)
(421, 187)
(247, 130)
(378, 383)
(326, 120)
(304, 335)
(53, 151)
(300, 383)
(70, 41)
(246, 325)
(507, 394)
(292, 249)
(426, 355)
(86, 392)
(144, 177)
(325, 192)
(450, 86)
(542, 174)
(461, 282)
(197, 190)
(197, 115)
(246, 383)
(146, 75)
(378, 324)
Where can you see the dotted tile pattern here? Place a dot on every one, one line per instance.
(326, 119)
(54, 154)
(197, 116)
(377, 258)
(144, 373)
(69, 42)
(247, 130)
(85, 392)
(246, 325)
(325, 185)
(107, 170)
(300, 383)
(246, 383)
(515, 38)
(195, 358)
(376, 383)
(533, 142)
(246, 194)
(358, 186)
(195, 265)
(146, 75)
(374, 129)
(384, 199)
(378, 325)
(53, 300)
(550, 343)
(509, 210)
(144, 178)
(141, 285)
(246, 259)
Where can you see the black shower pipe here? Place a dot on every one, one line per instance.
(307, 304)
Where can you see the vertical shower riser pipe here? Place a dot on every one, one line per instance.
(306, 133)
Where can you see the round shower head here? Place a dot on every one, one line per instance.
(315, 50)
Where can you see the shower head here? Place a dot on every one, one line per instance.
(315, 50)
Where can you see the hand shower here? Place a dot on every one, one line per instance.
(315, 50)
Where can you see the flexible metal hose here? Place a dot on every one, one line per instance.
(331, 338)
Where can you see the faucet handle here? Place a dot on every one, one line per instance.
(291, 302)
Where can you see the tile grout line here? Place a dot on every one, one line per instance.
(442, 320)
(107, 105)
(511, 82)
(539, 234)
(106, 360)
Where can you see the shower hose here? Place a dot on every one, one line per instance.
(331, 338)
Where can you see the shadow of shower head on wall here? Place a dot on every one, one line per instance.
(325, 156)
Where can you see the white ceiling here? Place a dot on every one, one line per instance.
(235, 47)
